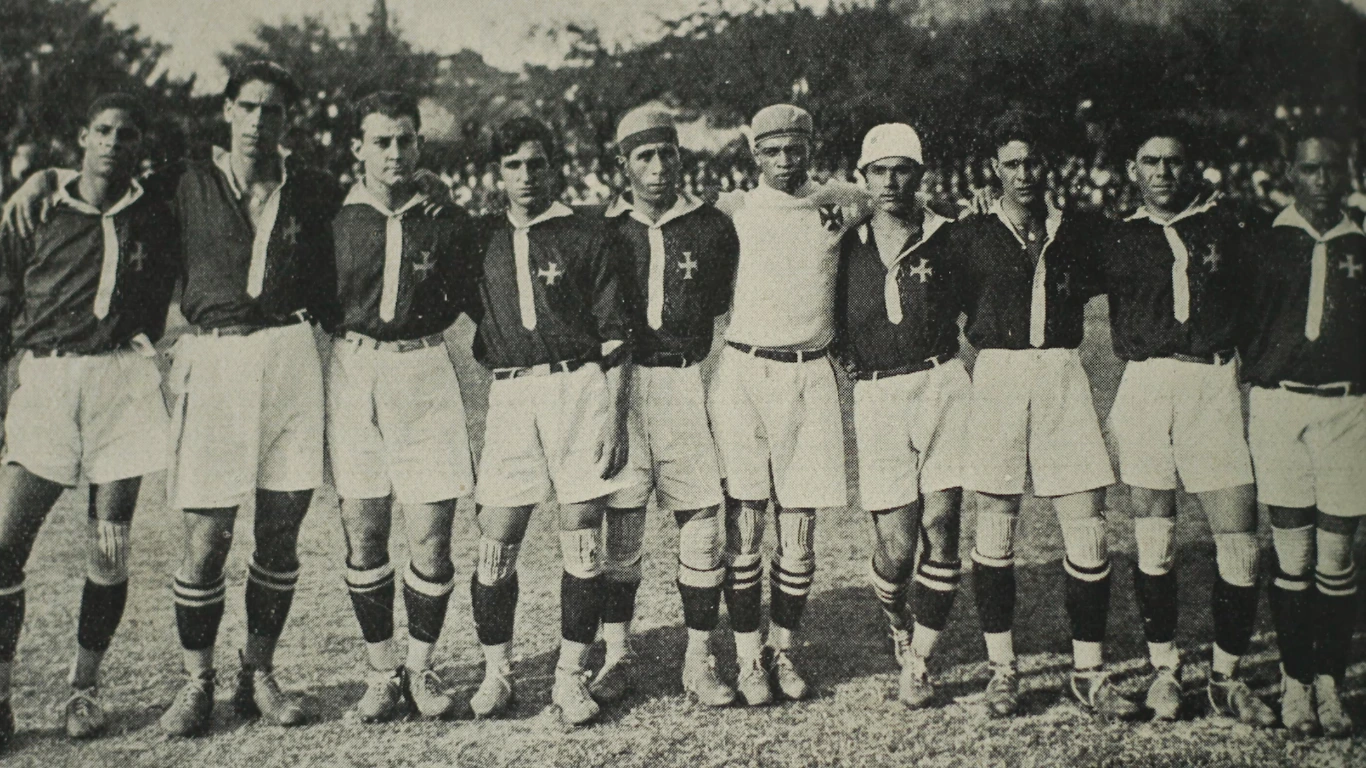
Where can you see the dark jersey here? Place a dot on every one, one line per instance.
(1139, 268)
(677, 276)
(218, 241)
(429, 283)
(1297, 331)
(71, 288)
(1012, 304)
(891, 316)
(562, 303)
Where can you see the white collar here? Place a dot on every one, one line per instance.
(1291, 217)
(1196, 206)
(928, 226)
(65, 197)
(682, 206)
(222, 158)
(762, 189)
(556, 210)
(1051, 222)
(361, 195)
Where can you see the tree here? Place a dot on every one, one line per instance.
(57, 55)
(335, 71)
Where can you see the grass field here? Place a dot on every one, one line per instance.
(853, 718)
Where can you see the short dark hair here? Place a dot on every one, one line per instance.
(1018, 125)
(512, 134)
(1165, 126)
(121, 101)
(266, 72)
(1318, 128)
(388, 103)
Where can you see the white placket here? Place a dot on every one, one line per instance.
(393, 259)
(1181, 287)
(654, 308)
(521, 257)
(104, 294)
(260, 244)
(1318, 279)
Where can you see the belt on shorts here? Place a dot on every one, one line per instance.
(247, 329)
(916, 367)
(402, 345)
(778, 355)
(139, 344)
(1212, 358)
(544, 369)
(663, 360)
(1336, 389)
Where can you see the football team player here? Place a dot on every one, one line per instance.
(676, 280)
(897, 302)
(82, 299)
(773, 400)
(1304, 357)
(395, 421)
(554, 333)
(1174, 278)
(1029, 270)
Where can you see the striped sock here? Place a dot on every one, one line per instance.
(936, 586)
(891, 596)
(1334, 620)
(198, 612)
(269, 597)
(372, 598)
(425, 600)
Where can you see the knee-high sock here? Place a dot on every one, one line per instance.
(744, 599)
(580, 586)
(198, 612)
(269, 597)
(11, 616)
(793, 568)
(1336, 603)
(624, 541)
(701, 571)
(1155, 586)
(993, 569)
(101, 612)
(936, 584)
(1233, 597)
(372, 598)
(1292, 600)
(1088, 585)
(891, 595)
(494, 591)
(425, 599)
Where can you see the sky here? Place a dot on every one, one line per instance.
(499, 29)
(198, 30)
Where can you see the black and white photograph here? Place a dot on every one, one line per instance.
(696, 383)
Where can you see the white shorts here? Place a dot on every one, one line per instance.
(248, 414)
(672, 450)
(910, 431)
(1032, 413)
(1175, 418)
(1309, 451)
(783, 419)
(544, 434)
(98, 415)
(396, 424)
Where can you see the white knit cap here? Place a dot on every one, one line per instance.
(890, 140)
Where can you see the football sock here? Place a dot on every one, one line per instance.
(780, 638)
(1000, 647)
(993, 581)
(1292, 600)
(101, 611)
(1223, 662)
(372, 598)
(743, 597)
(425, 599)
(891, 595)
(1155, 587)
(11, 618)
(573, 655)
(699, 644)
(617, 637)
(498, 656)
(198, 612)
(1334, 619)
(494, 591)
(701, 571)
(1087, 596)
(269, 597)
(936, 584)
(748, 645)
(1233, 596)
(580, 586)
(623, 544)
(793, 568)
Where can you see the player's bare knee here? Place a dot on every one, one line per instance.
(1151, 502)
(624, 544)
(579, 516)
(1333, 555)
(701, 543)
